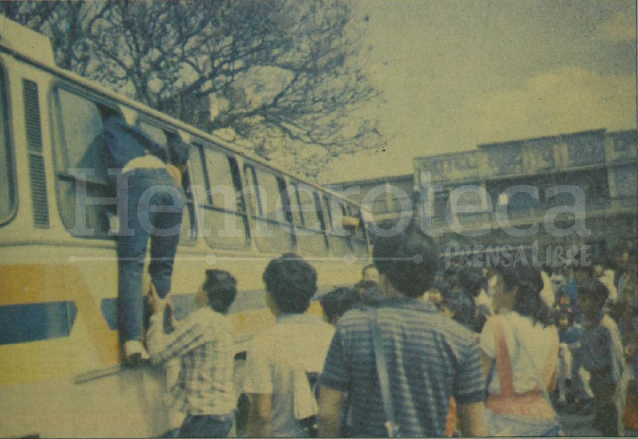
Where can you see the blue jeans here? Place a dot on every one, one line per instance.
(206, 426)
(150, 206)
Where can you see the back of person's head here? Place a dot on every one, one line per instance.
(291, 282)
(471, 280)
(179, 151)
(593, 289)
(338, 301)
(407, 260)
(527, 282)
(369, 273)
(221, 288)
(450, 272)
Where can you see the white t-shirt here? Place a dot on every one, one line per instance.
(276, 363)
(539, 341)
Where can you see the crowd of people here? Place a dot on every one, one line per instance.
(412, 350)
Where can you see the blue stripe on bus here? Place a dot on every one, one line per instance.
(29, 322)
(184, 304)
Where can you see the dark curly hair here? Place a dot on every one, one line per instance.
(221, 288)
(291, 282)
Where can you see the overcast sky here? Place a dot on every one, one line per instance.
(457, 73)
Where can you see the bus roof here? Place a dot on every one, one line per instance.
(19, 39)
(36, 49)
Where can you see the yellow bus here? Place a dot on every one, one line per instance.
(60, 370)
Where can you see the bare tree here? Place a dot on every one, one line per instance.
(285, 75)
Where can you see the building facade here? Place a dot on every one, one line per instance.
(535, 194)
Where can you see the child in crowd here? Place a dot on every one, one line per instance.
(602, 355)
(337, 302)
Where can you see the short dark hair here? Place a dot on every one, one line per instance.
(221, 288)
(528, 283)
(366, 268)
(471, 280)
(338, 301)
(595, 289)
(291, 282)
(179, 151)
(408, 260)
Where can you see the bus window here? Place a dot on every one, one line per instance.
(327, 217)
(81, 166)
(7, 184)
(359, 241)
(218, 192)
(271, 205)
(273, 232)
(306, 209)
(188, 235)
(308, 206)
(252, 194)
(337, 236)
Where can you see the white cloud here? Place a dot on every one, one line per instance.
(561, 101)
(620, 27)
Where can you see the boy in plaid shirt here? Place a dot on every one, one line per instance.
(203, 342)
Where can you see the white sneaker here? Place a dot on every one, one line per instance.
(134, 351)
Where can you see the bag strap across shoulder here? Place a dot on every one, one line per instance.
(502, 358)
(382, 372)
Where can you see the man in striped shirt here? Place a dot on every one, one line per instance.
(429, 357)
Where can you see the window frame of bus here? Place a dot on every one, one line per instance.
(259, 216)
(355, 212)
(188, 236)
(333, 233)
(61, 156)
(9, 150)
(198, 149)
(300, 221)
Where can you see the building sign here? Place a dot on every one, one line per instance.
(538, 155)
(504, 159)
(449, 167)
(584, 149)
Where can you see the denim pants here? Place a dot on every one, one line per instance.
(500, 424)
(206, 426)
(150, 207)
